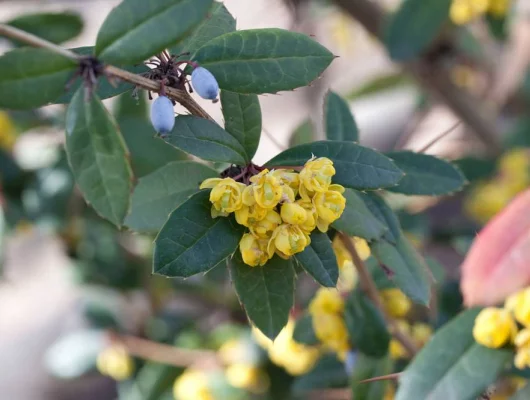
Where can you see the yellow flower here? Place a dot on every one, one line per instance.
(253, 250)
(226, 195)
(326, 301)
(316, 176)
(265, 227)
(494, 327)
(288, 240)
(499, 8)
(331, 330)
(519, 305)
(421, 333)
(347, 277)
(115, 362)
(288, 178)
(7, 132)
(267, 189)
(463, 11)
(192, 385)
(390, 392)
(487, 199)
(248, 215)
(396, 349)
(522, 339)
(293, 213)
(329, 204)
(248, 377)
(311, 221)
(522, 358)
(395, 302)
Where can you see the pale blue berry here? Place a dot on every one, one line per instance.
(205, 83)
(349, 363)
(162, 115)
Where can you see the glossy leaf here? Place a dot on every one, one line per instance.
(426, 175)
(327, 373)
(318, 260)
(98, 157)
(303, 330)
(160, 192)
(242, 114)
(339, 121)
(266, 293)
(218, 22)
(414, 27)
(366, 325)
(53, 27)
(31, 77)
(496, 265)
(409, 271)
(366, 368)
(382, 211)
(191, 241)
(263, 60)
(356, 166)
(138, 29)
(207, 140)
(452, 366)
(358, 220)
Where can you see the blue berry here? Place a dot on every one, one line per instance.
(205, 83)
(162, 115)
(349, 363)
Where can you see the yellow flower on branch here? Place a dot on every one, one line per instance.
(253, 250)
(267, 189)
(192, 385)
(115, 361)
(316, 176)
(519, 305)
(226, 195)
(330, 205)
(395, 302)
(288, 240)
(293, 214)
(265, 227)
(494, 327)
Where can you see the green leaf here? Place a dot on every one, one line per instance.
(452, 366)
(366, 368)
(304, 332)
(426, 175)
(207, 140)
(366, 325)
(263, 60)
(53, 27)
(129, 106)
(409, 271)
(304, 133)
(522, 394)
(382, 211)
(31, 78)
(218, 22)
(475, 169)
(356, 166)
(138, 29)
(242, 114)
(357, 219)
(318, 259)
(266, 293)
(152, 381)
(328, 373)
(160, 192)
(191, 241)
(98, 157)
(339, 121)
(414, 26)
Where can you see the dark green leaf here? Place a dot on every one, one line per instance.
(378, 274)
(497, 25)
(523, 394)
(160, 192)
(339, 121)
(129, 106)
(138, 29)
(98, 157)
(192, 241)
(356, 166)
(266, 293)
(378, 207)
(357, 220)
(53, 27)
(242, 114)
(366, 368)
(305, 133)
(409, 271)
(318, 259)
(475, 169)
(152, 381)
(218, 22)
(366, 325)
(380, 84)
(426, 175)
(328, 373)
(31, 78)
(207, 140)
(304, 332)
(263, 60)
(452, 366)
(414, 26)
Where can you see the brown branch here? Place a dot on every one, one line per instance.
(368, 286)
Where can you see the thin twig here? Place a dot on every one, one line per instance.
(368, 286)
(389, 377)
(439, 137)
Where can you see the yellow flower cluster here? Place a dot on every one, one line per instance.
(395, 303)
(419, 332)
(463, 11)
(296, 358)
(115, 362)
(279, 207)
(192, 384)
(326, 309)
(7, 132)
(347, 272)
(490, 197)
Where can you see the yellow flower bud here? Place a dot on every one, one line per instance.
(288, 240)
(267, 189)
(396, 350)
(326, 301)
(331, 330)
(421, 333)
(192, 385)
(7, 132)
(226, 195)
(330, 206)
(522, 339)
(288, 178)
(253, 250)
(115, 362)
(522, 358)
(248, 215)
(265, 227)
(395, 302)
(519, 305)
(310, 223)
(487, 199)
(293, 214)
(316, 176)
(494, 327)
(248, 377)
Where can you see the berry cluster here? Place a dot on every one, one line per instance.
(279, 207)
